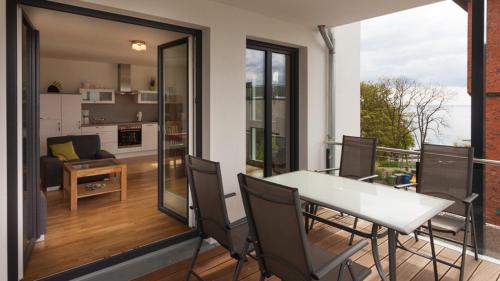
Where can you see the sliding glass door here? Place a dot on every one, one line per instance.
(174, 98)
(271, 109)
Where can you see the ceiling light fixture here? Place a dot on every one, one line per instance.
(138, 45)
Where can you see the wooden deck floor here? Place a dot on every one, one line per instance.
(216, 264)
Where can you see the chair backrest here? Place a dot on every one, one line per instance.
(276, 225)
(205, 183)
(86, 146)
(358, 157)
(446, 172)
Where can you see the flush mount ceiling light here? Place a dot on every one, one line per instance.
(138, 45)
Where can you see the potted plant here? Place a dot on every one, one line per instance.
(152, 84)
(55, 87)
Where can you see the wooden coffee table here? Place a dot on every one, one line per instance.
(72, 171)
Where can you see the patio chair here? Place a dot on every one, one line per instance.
(275, 220)
(357, 161)
(446, 172)
(205, 183)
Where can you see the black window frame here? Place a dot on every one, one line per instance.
(293, 53)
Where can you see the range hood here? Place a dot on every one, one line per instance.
(124, 80)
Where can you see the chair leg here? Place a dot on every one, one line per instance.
(193, 262)
(314, 212)
(473, 232)
(241, 261)
(352, 234)
(465, 242)
(262, 277)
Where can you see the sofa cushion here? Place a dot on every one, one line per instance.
(64, 151)
(86, 146)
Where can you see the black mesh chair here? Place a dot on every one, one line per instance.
(357, 161)
(205, 183)
(446, 172)
(275, 220)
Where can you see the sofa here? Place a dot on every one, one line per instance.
(87, 147)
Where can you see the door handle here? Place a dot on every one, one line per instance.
(79, 124)
(59, 126)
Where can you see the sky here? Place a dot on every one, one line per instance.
(428, 44)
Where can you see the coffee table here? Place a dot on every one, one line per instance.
(72, 171)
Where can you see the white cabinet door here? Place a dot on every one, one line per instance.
(48, 128)
(149, 137)
(71, 108)
(50, 106)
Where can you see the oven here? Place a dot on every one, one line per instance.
(129, 135)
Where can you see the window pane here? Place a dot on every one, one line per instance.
(255, 82)
(280, 113)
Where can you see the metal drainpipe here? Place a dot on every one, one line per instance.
(330, 95)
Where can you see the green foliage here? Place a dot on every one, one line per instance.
(378, 117)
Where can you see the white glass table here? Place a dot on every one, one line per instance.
(398, 211)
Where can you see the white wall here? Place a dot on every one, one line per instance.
(100, 74)
(228, 29)
(347, 63)
(3, 147)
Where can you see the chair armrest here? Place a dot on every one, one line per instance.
(338, 260)
(470, 198)
(326, 170)
(229, 195)
(103, 154)
(405, 186)
(368, 178)
(238, 222)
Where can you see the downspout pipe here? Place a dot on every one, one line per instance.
(327, 35)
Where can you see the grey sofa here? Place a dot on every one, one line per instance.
(87, 147)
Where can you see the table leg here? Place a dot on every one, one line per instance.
(433, 250)
(73, 191)
(376, 256)
(392, 254)
(65, 184)
(123, 183)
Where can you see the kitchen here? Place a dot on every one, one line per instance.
(125, 118)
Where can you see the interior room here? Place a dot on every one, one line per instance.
(98, 146)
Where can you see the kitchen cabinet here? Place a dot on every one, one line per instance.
(60, 115)
(97, 95)
(149, 136)
(108, 135)
(147, 97)
(71, 116)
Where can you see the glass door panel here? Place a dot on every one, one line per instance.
(280, 113)
(255, 102)
(174, 123)
(271, 114)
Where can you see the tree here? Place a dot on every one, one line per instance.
(384, 113)
(428, 112)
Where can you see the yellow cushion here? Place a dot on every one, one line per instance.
(64, 151)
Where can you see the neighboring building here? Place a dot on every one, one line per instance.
(492, 107)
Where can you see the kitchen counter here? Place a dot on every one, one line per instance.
(118, 123)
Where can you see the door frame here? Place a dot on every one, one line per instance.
(12, 127)
(33, 130)
(161, 127)
(270, 48)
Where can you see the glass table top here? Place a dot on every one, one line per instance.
(83, 165)
(396, 209)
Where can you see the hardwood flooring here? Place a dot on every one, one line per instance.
(103, 225)
(216, 264)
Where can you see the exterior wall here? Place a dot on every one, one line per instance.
(227, 29)
(3, 147)
(492, 107)
(492, 112)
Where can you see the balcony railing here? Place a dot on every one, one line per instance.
(391, 162)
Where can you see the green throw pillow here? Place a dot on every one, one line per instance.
(64, 151)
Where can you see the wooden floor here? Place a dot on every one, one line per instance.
(216, 264)
(102, 226)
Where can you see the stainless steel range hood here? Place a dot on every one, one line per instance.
(124, 80)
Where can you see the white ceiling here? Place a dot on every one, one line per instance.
(64, 35)
(327, 12)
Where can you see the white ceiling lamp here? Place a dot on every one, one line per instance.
(138, 45)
